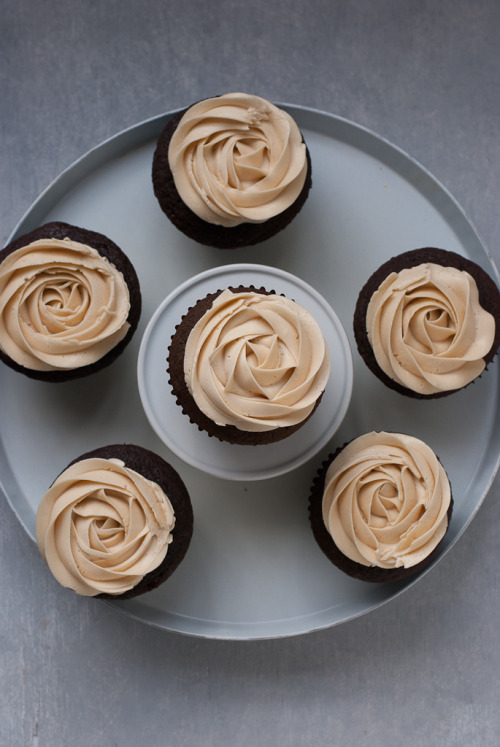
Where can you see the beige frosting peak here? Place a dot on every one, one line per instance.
(385, 500)
(428, 330)
(101, 527)
(62, 305)
(256, 361)
(237, 159)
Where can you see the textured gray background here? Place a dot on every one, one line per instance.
(422, 670)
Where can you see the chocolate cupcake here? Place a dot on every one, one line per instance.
(248, 366)
(70, 302)
(380, 506)
(427, 322)
(116, 523)
(231, 171)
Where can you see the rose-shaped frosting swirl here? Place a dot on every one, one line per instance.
(256, 361)
(237, 159)
(62, 305)
(101, 527)
(428, 330)
(385, 500)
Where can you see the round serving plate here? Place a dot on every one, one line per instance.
(253, 569)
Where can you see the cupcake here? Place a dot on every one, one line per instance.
(380, 507)
(69, 302)
(427, 322)
(231, 171)
(116, 523)
(248, 366)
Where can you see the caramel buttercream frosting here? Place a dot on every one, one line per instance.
(428, 330)
(237, 159)
(63, 305)
(386, 500)
(257, 362)
(102, 527)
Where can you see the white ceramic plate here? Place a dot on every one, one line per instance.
(253, 569)
(209, 454)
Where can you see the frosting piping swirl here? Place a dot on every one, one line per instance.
(255, 361)
(428, 330)
(62, 305)
(237, 159)
(385, 500)
(101, 527)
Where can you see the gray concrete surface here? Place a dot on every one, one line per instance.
(422, 670)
